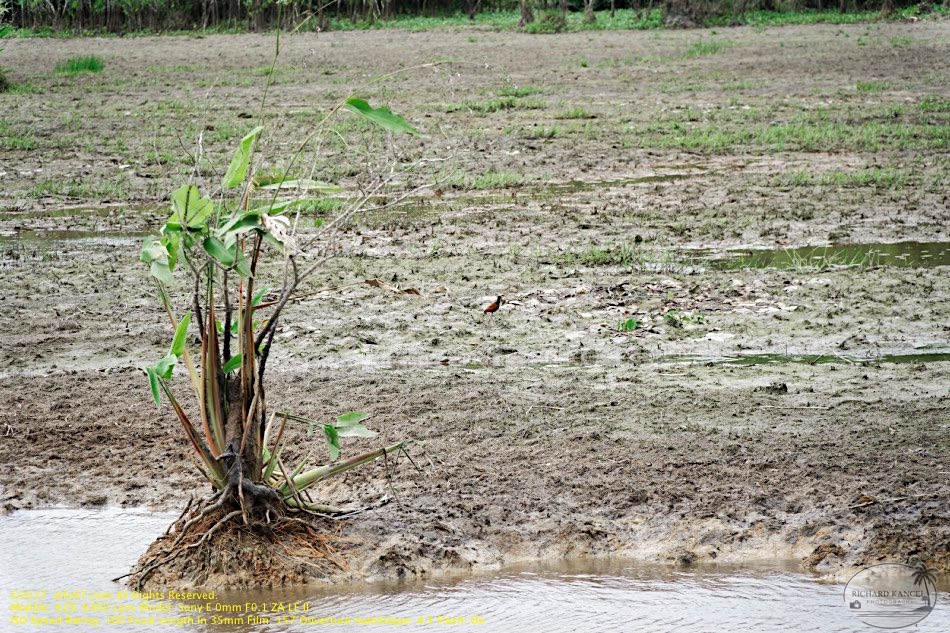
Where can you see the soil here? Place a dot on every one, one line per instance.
(544, 430)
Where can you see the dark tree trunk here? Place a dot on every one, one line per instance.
(527, 17)
(474, 9)
(589, 16)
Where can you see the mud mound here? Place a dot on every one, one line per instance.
(218, 550)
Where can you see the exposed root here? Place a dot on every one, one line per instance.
(213, 546)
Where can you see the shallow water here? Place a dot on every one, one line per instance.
(896, 254)
(919, 355)
(61, 550)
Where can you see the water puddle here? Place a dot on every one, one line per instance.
(78, 551)
(897, 254)
(919, 355)
(574, 186)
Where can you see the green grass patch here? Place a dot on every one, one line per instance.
(542, 132)
(12, 139)
(25, 88)
(631, 256)
(575, 113)
(872, 86)
(703, 48)
(494, 179)
(79, 65)
(116, 188)
(518, 91)
(495, 105)
(824, 129)
(885, 178)
(934, 103)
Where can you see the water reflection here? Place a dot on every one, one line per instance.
(68, 550)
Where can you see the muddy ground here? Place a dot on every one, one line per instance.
(579, 174)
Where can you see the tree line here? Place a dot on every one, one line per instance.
(120, 16)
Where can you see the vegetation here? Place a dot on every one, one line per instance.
(5, 30)
(164, 15)
(79, 65)
(222, 243)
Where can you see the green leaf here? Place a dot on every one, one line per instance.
(350, 418)
(629, 325)
(153, 385)
(241, 265)
(190, 208)
(172, 242)
(256, 299)
(161, 272)
(242, 223)
(152, 250)
(166, 366)
(333, 441)
(348, 425)
(381, 116)
(181, 336)
(155, 254)
(233, 363)
(271, 464)
(356, 430)
(221, 253)
(242, 158)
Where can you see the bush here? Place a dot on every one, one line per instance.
(550, 22)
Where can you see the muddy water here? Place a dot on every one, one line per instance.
(898, 254)
(59, 550)
(919, 355)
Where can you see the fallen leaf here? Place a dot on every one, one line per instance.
(382, 285)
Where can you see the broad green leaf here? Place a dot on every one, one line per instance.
(356, 430)
(381, 116)
(240, 224)
(161, 272)
(216, 248)
(268, 177)
(190, 208)
(233, 363)
(181, 336)
(242, 158)
(241, 265)
(272, 239)
(277, 207)
(165, 367)
(333, 441)
(153, 253)
(153, 385)
(152, 250)
(350, 418)
(172, 243)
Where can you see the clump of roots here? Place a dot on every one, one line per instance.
(218, 543)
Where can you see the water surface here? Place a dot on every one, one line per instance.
(78, 551)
